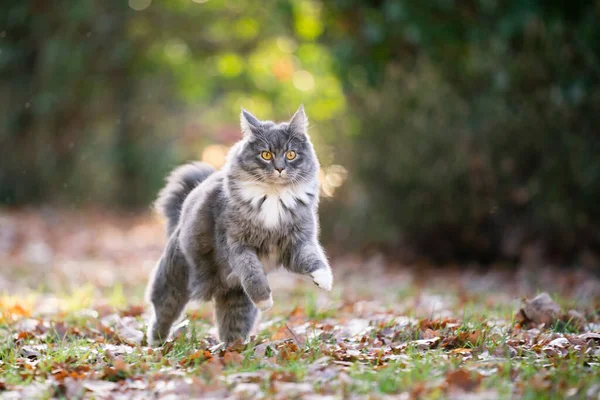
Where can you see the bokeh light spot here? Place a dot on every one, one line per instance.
(286, 44)
(247, 28)
(230, 65)
(303, 80)
(307, 20)
(283, 69)
(215, 155)
(139, 5)
(176, 50)
(332, 178)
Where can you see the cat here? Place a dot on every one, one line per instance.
(228, 228)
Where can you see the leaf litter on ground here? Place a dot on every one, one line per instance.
(385, 330)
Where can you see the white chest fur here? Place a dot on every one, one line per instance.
(273, 202)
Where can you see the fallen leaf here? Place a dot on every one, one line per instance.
(25, 335)
(99, 387)
(461, 350)
(33, 351)
(134, 311)
(539, 310)
(232, 358)
(118, 371)
(197, 357)
(425, 344)
(557, 347)
(284, 376)
(590, 335)
(463, 380)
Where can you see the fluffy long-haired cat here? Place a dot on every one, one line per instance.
(228, 228)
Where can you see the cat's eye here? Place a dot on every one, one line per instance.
(290, 155)
(266, 155)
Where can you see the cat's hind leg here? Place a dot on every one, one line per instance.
(235, 314)
(168, 291)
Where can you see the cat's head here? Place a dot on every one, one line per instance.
(276, 153)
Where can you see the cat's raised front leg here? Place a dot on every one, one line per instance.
(309, 259)
(246, 265)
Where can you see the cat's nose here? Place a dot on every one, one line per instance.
(279, 169)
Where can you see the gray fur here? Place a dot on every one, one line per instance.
(179, 184)
(234, 222)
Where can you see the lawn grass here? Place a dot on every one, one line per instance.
(310, 343)
(72, 326)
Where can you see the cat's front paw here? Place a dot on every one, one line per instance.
(154, 336)
(257, 288)
(323, 278)
(264, 305)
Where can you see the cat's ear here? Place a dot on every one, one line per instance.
(249, 123)
(299, 123)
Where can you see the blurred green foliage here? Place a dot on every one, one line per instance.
(469, 128)
(102, 98)
(477, 122)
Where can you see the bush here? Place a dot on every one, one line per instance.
(478, 124)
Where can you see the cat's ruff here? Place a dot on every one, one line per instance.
(274, 202)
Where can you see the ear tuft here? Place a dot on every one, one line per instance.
(299, 122)
(248, 122)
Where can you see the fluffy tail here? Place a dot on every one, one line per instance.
(179, 184)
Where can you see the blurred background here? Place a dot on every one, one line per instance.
(448, 130)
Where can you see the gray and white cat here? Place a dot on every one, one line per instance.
(228, 228)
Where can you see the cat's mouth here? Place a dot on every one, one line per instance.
(280, 177)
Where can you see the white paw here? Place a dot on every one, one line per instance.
(323, 278)
(265, 304)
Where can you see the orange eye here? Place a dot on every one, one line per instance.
(290, 155)
(266, 155)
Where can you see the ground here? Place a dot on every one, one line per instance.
(73, 317)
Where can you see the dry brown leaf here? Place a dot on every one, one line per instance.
(198, 356)
(461, 350)
(25, 335)
(134, 311)
(426, 344)
(284, 376)
(288, 350)
(118, 371)
(232, 358)
(470, 337)
(590, 335)
(430, 334)
(539, 381)
(120, 365)
(539, 310)
(436, 324)
(463, 380)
